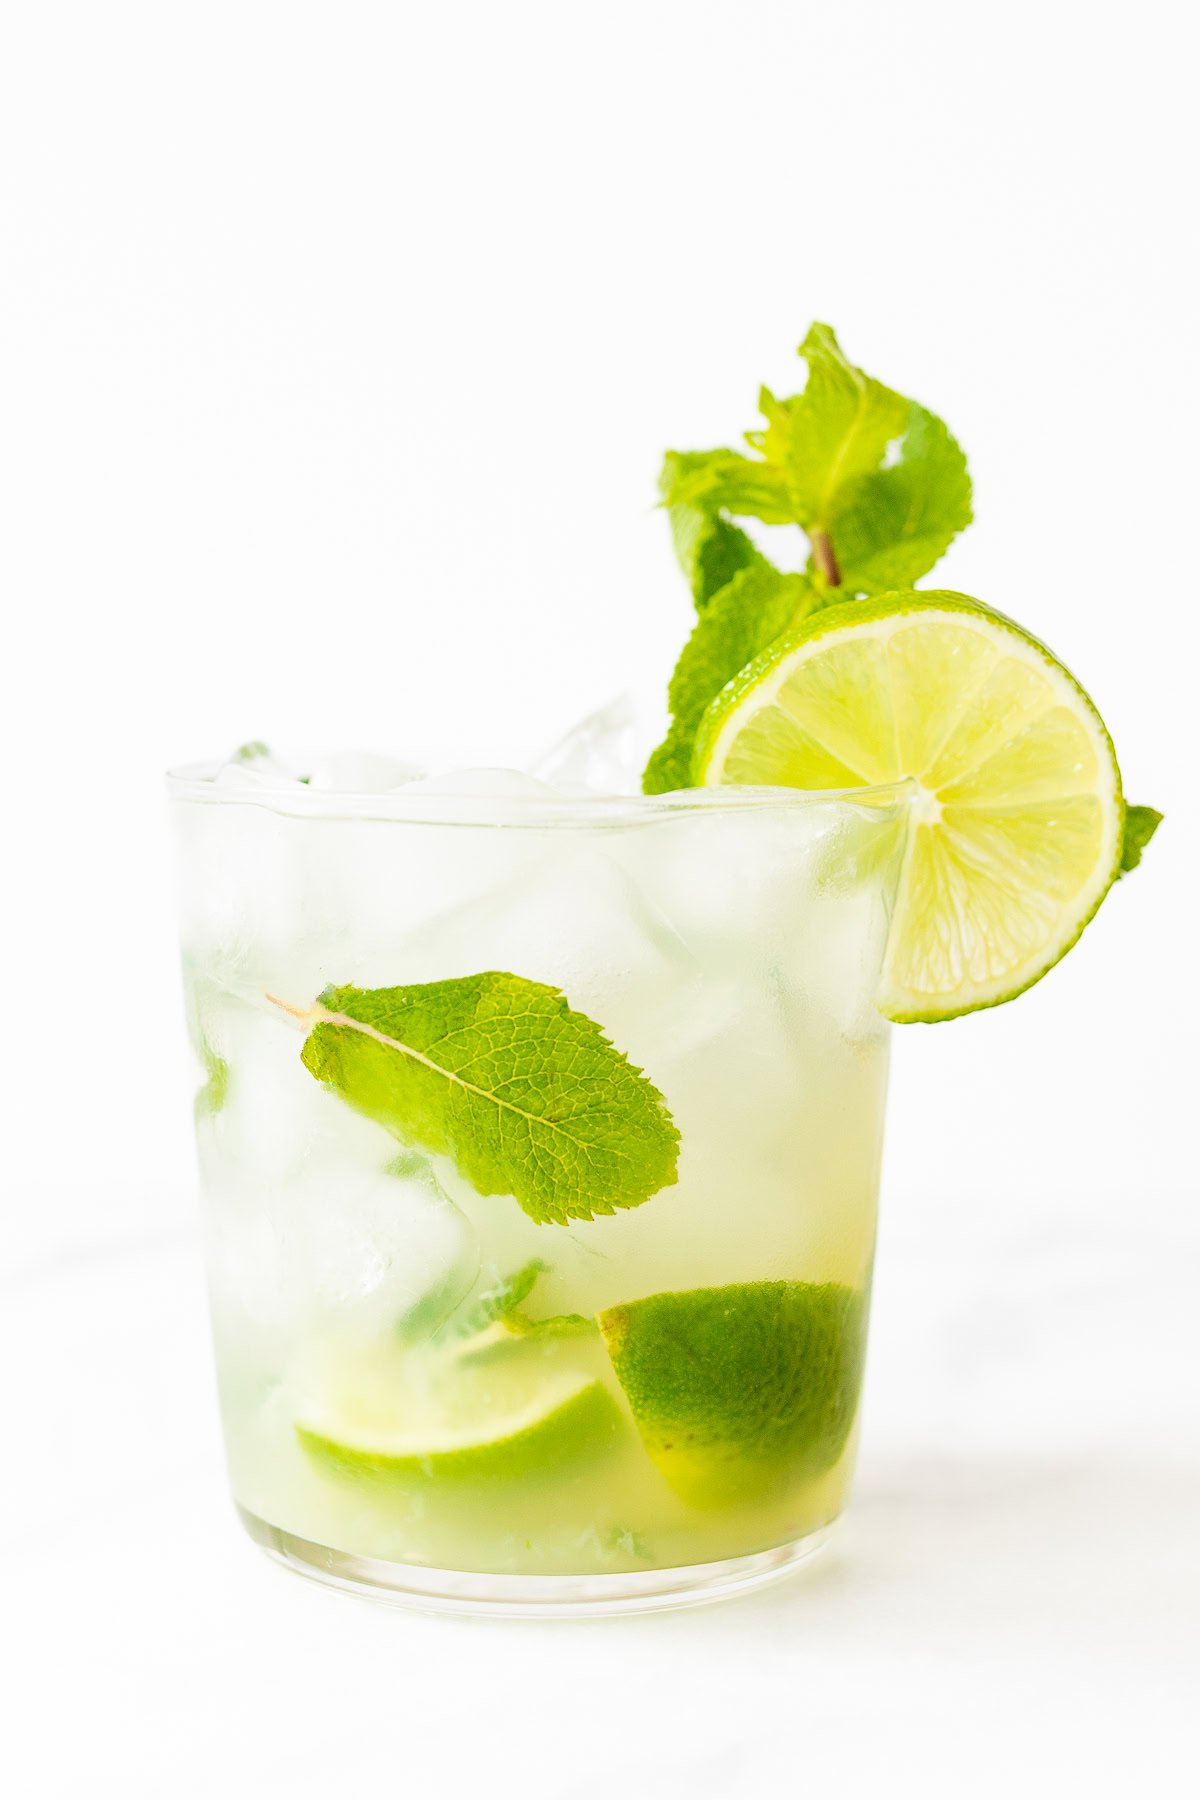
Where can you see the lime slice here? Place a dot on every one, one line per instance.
(486, 1429)
(741, 1388)
(1017, 814)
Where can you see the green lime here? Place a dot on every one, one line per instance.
(1017, 814)
(499, 1426)
(737, 1389)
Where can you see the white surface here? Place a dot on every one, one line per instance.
(339, 349)
(1012, 1606)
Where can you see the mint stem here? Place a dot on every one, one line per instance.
(824, 558)
(304, 1015)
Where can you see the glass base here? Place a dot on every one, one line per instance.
(533, 1596)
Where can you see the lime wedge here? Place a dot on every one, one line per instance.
(737, 1389)
(1017, 814)
(487, 1429)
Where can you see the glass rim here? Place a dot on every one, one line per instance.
(195, 784)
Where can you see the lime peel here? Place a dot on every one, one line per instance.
(741, 1389)
(564, 1416)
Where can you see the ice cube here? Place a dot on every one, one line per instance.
(599, 754)
(727, 1059)
(446, 841)
(486, 796)
(733, 877)
(361, 772)
(316, 890)
(778, 1122)
(378, 1245)
(479, 781)
(242, 891)
(315, 1210)
(367, 1251)
(571, 917)
(237, 861)
(273, 1119)
(797, 891)
(261, 774)
(255, 765)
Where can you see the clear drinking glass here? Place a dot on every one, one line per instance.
(425, 1391)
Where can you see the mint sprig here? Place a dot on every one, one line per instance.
(524, 1094)
(875, 480)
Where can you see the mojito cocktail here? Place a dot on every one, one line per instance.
(541, 1144)
(540, 1121)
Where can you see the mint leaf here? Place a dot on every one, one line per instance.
(888, 528)
(722, 551)
(669, 768)
(501, 1299)
(709, 549)
(1141, 823)
(832, 434)
(527, 1096)
(727, 481)
(878, 482)
(212, 1096)
(750, 612)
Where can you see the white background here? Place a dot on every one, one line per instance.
(338, 349)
